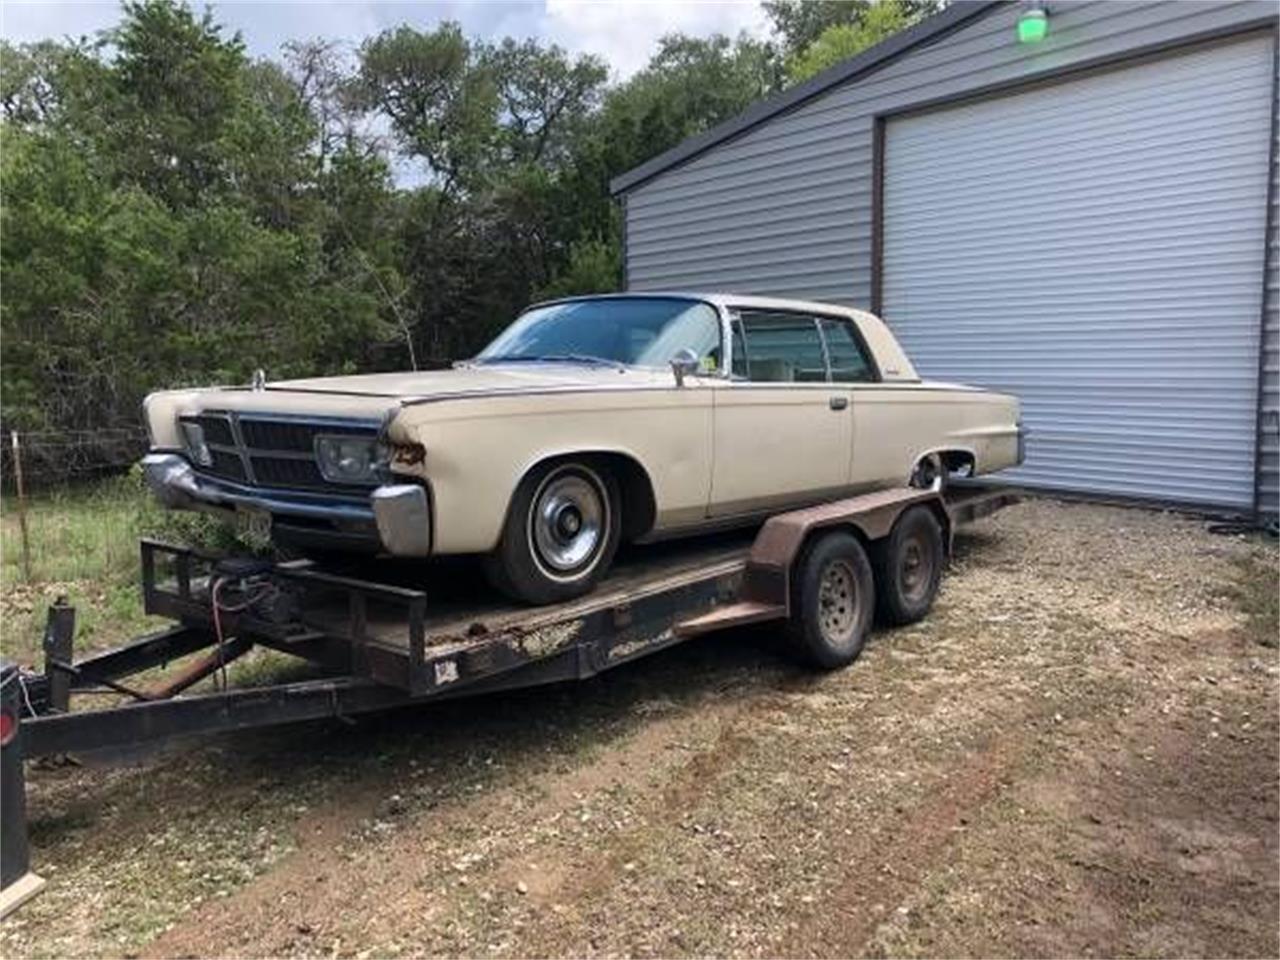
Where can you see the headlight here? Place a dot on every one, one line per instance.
(193, 434)
(350, 459)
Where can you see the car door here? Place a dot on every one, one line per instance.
(782, 432)
(851, 364)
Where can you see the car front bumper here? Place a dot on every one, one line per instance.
(395, 517)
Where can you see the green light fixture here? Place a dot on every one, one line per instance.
(1033, 23)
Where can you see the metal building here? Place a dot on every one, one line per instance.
(1088, 220)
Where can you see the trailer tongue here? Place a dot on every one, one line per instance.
(380, 645)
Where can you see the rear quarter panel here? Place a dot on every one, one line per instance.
(897, 424)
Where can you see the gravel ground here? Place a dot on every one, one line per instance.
(1076, 753)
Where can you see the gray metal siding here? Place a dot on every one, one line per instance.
(785, 209)
(1269, 396)
(1096, 248)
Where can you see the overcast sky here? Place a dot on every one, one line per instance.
(623, 33)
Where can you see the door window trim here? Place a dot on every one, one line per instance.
(734, 316)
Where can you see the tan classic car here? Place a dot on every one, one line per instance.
(586, 422)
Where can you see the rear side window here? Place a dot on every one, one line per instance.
(849, 362)
(781, 348)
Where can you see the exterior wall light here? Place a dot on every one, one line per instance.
(1033, 23)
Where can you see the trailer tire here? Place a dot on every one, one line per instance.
(910, 565)
(833, 601)
(561, 532)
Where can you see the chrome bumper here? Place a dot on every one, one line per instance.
(399, 511)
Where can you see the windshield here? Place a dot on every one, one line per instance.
(636, 331)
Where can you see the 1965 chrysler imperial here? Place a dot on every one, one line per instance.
(587, 421)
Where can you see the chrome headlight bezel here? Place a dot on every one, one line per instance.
(348, 459)
(194, 440)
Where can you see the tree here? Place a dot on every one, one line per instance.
(441, 102)
(690, 85)
(800, 22)
(33, 79)
(174, 212)
(328, 94)
(544, 99)
(837, 29)
(840, 41)
(174, 88)
(164, 221)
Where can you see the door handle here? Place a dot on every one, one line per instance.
(838, 403)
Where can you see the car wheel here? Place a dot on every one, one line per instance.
(833, 598)
(929, 473)
(910, 568)
(560, 534)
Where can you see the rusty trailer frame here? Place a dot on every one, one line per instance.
(380, 646)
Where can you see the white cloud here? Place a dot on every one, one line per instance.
(625, 35)
(25, 22)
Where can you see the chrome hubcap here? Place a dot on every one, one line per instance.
(568, 521)
(837, 601)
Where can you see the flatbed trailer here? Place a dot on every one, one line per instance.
(384, 644)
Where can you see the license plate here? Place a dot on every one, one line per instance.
(253, 526)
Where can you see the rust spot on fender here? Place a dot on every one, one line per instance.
(408, 454)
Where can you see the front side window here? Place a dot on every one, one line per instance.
(782, 348)
(635, 331)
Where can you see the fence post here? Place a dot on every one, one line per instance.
(22, 505)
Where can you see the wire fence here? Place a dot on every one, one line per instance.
(55, 459)
(71, 504)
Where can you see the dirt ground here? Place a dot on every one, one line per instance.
(1076, 753)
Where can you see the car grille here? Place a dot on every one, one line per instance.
(272, 451)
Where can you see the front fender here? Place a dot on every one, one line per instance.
(476, 452)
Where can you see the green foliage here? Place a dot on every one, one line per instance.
(442, 107)
(174, 92)
(165, 221)
(840, 41)
(595, 266)
(800, 23)
(690, 85)
(545, 100)
(174, 212)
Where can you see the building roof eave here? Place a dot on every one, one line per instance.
(865, 62)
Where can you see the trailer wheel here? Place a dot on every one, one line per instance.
(911, 561)
(833, 601)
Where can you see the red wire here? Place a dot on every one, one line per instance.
(218, 584)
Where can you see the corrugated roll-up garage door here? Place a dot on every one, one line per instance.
(1096, 246)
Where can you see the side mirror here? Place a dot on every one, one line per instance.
(683, 364)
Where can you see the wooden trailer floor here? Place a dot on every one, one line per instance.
(461, 605)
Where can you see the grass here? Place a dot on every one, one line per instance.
(1257, 595)
(76, 534)
(83, 544)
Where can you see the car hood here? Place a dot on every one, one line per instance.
(474, 378)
